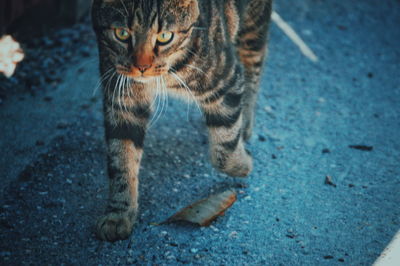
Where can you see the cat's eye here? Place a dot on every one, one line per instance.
(122, 34)
(165, 37)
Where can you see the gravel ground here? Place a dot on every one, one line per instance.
(53, 155)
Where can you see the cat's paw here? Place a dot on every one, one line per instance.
(115, 226)
(238, 164)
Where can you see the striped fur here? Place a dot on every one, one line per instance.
(215, 59)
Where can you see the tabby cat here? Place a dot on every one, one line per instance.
(211, 51)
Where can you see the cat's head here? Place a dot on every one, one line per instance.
(143, 39)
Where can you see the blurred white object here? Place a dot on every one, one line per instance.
(289, 31)
(10, 55)
(391, 255)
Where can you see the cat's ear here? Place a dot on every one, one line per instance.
(187, 3)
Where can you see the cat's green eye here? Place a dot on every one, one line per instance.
(165, 37)
(122, 34)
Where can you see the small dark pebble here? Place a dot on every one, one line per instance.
(328, 257)
(351, 185)
(47, 99)
(326, 151)
(277, 219)
(364, 186)
(274, 156)
(85, 106)
(40, 143)
(182, 261)
(241, 185)
(26, 174)
(52, 204)
(328, 181)
(291, 234)
(370, 75)
(62, 125)
(341, 260)
(361, 147)
(6, 224)
(261, 138)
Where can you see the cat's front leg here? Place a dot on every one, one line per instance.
(224, 119)
(125, 132)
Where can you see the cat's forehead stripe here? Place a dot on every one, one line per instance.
(145, 13)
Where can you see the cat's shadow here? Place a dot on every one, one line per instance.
(176, 170)
(174, 165)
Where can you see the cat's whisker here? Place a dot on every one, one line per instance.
(124, 93)
(113, 97)
(161, 95)
(99, 84)
(106, 87)
(103, 77)
(165, 93)
(177, 78)
(193, 67)
(153, 103)
(157, 102)
(193, 53)
(122, 2)
(165, 88)
(129, 88)
(196, 68)
(119, 11)
(160, 98)
(188, 101)
(119, 91)
(109, 82)
(85, 63)
(110, 87)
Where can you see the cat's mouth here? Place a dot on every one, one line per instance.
(139, 76)
(143, 79)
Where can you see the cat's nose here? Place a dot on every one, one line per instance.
(143, 68)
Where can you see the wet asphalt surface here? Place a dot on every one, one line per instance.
(52, 163)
